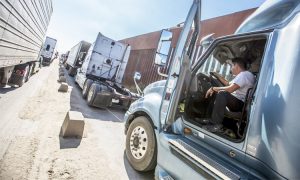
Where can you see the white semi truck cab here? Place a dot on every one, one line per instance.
(48, 50)
(101, 74)
(166, 128)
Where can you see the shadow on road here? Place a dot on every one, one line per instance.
(4, 90)
(133, 174)
(66, 143)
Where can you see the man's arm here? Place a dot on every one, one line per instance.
(231, 88)
(221, 78)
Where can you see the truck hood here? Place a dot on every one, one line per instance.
(270, 15)
(156, 87)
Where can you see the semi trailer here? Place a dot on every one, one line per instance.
(101, 74)
(76, 56)
(22, 31)
(48, 50)
(167, 129)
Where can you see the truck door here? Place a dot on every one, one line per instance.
(180, 63)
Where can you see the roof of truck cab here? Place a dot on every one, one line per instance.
(270, 15)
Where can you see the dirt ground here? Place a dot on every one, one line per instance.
(37, 151)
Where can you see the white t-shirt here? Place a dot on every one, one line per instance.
(245, 80)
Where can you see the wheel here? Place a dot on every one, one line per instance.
(141, 148)
(29, 73)
(86, 87)
(94, 89)
(40, 62)
(23, 80)
(72, 71)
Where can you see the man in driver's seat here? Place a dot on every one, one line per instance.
(231, 95)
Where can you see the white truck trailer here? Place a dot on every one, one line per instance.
(76, 56)
(101, 74)
(48, 50)
(23, 27)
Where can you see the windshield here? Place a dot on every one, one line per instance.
(269, 15)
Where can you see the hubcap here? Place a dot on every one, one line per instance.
(138, 142)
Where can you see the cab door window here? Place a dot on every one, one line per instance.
(210, 85)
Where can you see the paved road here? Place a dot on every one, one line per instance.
(29, 134)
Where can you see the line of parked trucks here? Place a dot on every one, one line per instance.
(99, 69)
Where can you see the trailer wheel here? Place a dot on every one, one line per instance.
(94, 89)
(72, 71)
(23, 80)
(141, 150)
(30, 69)
(86, 88)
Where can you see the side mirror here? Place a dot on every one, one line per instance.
(206, 41)
(137, 76)
(163, 48)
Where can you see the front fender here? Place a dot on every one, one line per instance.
(148, 106)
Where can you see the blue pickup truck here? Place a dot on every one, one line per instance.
(165, 128)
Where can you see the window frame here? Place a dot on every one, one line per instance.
(223, 144)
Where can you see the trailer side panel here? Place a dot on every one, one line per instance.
(23, 26)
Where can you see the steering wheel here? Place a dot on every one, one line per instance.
(218, 82)
(204, 83)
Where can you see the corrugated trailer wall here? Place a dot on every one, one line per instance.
(144, 47)
(23, 25)
(143, 63)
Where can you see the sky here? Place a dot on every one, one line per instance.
(76, 20)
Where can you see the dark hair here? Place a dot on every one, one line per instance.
(240, 61)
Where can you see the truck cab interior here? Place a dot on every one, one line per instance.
(198, 109)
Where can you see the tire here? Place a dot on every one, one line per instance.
(94, 89)
(23, 80)
(29, 73)
(142, 155)
(86, 88)
(72, 71)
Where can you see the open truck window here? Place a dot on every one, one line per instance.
(198, 109)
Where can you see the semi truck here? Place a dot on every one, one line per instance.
(22, 30)
(166, 128)
(48, 50)
(76, 56)
(101, 74)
